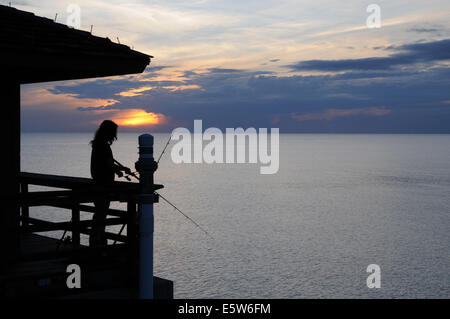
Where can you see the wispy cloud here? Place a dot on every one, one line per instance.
(402, 20)
(330, 114)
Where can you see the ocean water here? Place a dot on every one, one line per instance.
(337, 204)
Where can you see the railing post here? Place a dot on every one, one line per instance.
(76, 226)
(132, 242)
(25, 209)
(146, 166)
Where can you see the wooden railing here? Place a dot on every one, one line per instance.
(75, 194)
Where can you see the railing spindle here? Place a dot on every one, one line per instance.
(25, 208)
(76, 226)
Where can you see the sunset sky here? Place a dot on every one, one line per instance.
(302, 66)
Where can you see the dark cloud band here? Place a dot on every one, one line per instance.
(410, 54)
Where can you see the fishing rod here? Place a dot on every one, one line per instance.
(133, 174)
(63, 239)
(159, 158)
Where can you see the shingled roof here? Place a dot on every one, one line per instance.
(36, 49)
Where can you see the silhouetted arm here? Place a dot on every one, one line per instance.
(122, 168)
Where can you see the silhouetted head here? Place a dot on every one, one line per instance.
(106, 133)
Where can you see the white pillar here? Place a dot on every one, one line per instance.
(146, 166)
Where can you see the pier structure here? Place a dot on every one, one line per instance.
(35, 49)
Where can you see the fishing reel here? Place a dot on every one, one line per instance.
(127, 172)
(132, 174)
(128, 176)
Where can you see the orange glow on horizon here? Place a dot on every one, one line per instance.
(136, 117)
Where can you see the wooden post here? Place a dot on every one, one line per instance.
(132, 242)
(76, 226)
(25, 209)
(146, 166)
(10, 161)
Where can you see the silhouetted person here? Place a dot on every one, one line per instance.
(103, 169)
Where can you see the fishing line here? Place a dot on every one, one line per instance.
(167, 201)
(176, 208)
(167, 144)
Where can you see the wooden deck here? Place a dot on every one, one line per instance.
(104, 274)
(40, 268)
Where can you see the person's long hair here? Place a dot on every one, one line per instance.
(106, 133)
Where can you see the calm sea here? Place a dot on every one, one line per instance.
(337, 204)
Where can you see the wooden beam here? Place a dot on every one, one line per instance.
(91, 209)
(10, 161)
(38, 225)
(70, 182)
